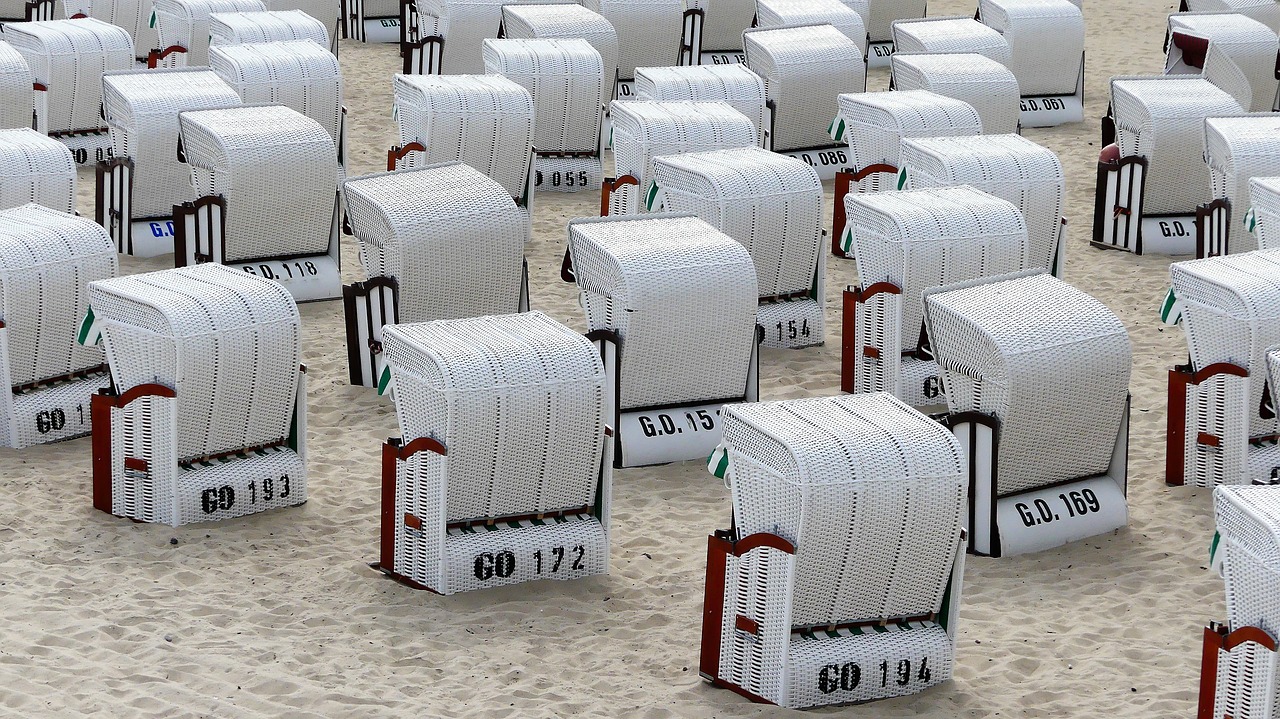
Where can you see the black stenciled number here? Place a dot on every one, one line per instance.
(580, 551)
(537, 558)
(51, 421)
(268, 489)
(932, 387)
(904, 672)
(707, 421)
(82, 155)
(1091, 499)
(253, 493)
(924, 674)
(559, 555)
(284, 491)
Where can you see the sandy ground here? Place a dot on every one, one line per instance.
(278, 614)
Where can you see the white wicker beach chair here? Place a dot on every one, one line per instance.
(662, 291)
(17, 99)
(373, 20)
(987, 85)
(1239, 667)
(207, 417)
(1263, 217)
(804, 69)
(1036, 375)
(880, 27)
(441, 242)
(643, 130)
(1236, 149)
(724, 21)
(1233, 51)
(905, 243)
(266, 180)
(485, 121)
(1046, 43)
(1266, 12)
(139, 186)
(1010, 167)
(840, 580)
(327, 12)
(298, 74)
(133, 16)
(1230, 308)
(36, 168)
(772, 204)
(1147, 197)
(650, 33)
(242, 28)
(67, 60)
(850, 19)
(185, 24)
(503, 472)
(566, 80)
(734, 84)
(565, 22)
(950, 35)
(874, 123)
(462, 25)
(47, 259)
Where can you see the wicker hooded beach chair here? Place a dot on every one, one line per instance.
(440, 242)
(132, 16)
(734, 84)
(1233, 51)
(1036, 375)
(47, 259)
(36, 168)
(185, 24)
(242, 28)
(987, 85)
(840, 580)
(662, 291)
(1046, 42)
(461, 25)
(17, 98)
(207, 419)
(502, 473)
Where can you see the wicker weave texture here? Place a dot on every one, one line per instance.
(1238, 149)
(876, 123)
(1046, 42)
(841, 16)
(644, 129)
(885, 12)
(770, 203)
(133, 16)
(565, 22)
(1248, 519)
(47, 259)
(451, 237)
(326, 11)
(186, 23)
(226, 341)
(70, 57)
(1047, 360)
(804, 70)
(1231, 313)
(725, 21)
(36, 168)
(1266, 12)
(16, 98)
(1008, 166)
(949, 35)
(485, 121)
(734, 84)
(1264, 196)
(678, 293)
(240, 28)
(988, 86)
(1162, 119)
(649, 33)
(298, 74)
(141, 108)
(517, 400)
(465, 25)
(277, 169)
(1249, 46)
(566, 80)
(833, 473)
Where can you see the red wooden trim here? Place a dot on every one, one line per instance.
(412, 521)
(421, 444)
(739, 690)
(155, 56)
(718, 549)
(142, 390)
(400, 578)
(1208, 440)
(137, 464)
(870, 170)
(887, 288)
(398, 152)
(1257, 635)
(1175, 429)
(610, 186)
(386, 560)
(872, 352)
(849, 333)
(747, 624)
(1193, 48)
(762, 539)
(844, 180)
(1213, 638)
(1218, 368)
(39, 87)
(100, 427)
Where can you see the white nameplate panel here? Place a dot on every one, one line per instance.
(307, 278)
(669, 435)
(723, 57)
(879, 54)
(1046, 518)
(1169, 235)
(826, 160)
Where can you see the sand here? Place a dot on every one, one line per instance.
(278, 614)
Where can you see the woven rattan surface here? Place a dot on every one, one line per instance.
(36, 168)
